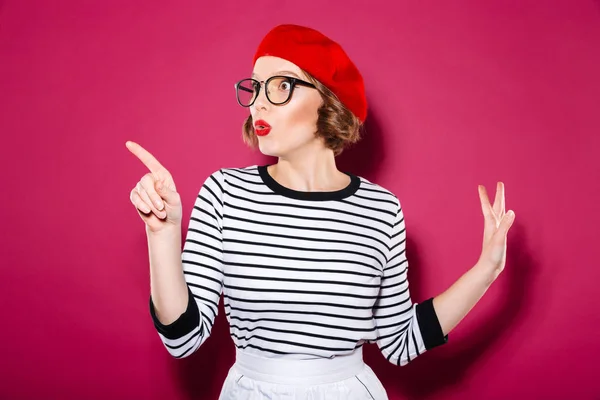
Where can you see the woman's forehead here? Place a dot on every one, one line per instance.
(267, 66)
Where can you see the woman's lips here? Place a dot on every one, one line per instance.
(262, 131)
(262, 128)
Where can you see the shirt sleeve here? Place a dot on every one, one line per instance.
(202, 261)
(405, 329)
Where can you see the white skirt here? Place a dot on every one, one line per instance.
(342, 377)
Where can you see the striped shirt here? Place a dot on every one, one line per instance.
(303, 274)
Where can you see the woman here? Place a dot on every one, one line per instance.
(311, 261)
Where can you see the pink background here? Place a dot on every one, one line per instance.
(468, 93)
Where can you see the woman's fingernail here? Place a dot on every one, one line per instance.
(159, 204)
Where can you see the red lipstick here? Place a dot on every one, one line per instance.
(261, 127)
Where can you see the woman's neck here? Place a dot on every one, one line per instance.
(317, 174)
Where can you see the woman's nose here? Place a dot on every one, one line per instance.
(261, 100)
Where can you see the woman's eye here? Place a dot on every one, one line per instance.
(285, 85)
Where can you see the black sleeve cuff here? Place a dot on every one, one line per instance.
(430, 327)
(186, 323)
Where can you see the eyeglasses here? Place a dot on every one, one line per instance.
(279, 89)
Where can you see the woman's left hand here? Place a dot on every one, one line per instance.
(497, 224)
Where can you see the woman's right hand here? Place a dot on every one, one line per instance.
(155, 196)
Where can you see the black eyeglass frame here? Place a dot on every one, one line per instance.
(293, 82)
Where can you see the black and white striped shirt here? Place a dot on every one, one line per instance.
(303, 274)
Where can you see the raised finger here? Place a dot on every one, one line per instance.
(485, 202)
(499, 200)
(145, 157)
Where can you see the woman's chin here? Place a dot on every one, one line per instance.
(269, 149)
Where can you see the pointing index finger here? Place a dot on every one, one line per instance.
(145, 157)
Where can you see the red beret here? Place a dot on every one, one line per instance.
(322, 58)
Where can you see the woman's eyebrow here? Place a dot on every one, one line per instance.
(280, 73)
